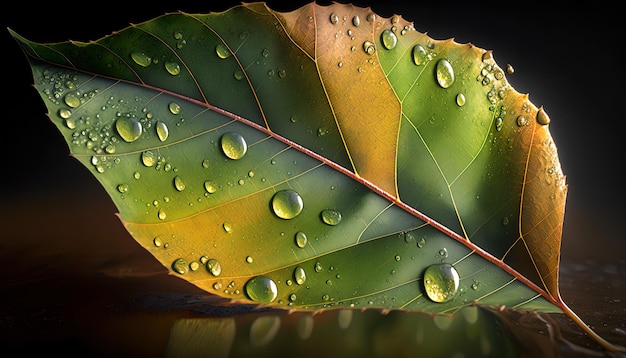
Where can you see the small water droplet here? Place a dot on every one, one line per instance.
(179, 184)
(318, 267)
(261, 289)
(122, 188)
(249, 259)
(388, 39)
(371, 17)
(356, 20)
(172, 68)
(72, 100)
(228, 227)
(421, 242)
(265, 53)
(445, 73)
(174, 108)
(505, 220)
(141, 59)
(522, 121)
(369, 47)
(148, 158)
(299, 275)
(162, 131)
(65, 113)
(214, 267)
(234, 145)
(460, 99)
(238, 75)
(287, 204)
(210, 186)
(420, 56)
(222, 51)
(542, 117)
(331, 216)
(509, 69)
(301, 239)
(499, 123)
(180, 266)
(128, 128)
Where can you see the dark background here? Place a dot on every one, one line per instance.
(60, 241)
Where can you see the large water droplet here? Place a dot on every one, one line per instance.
(445, 73)
(128, 128)
(72, 100)
(214, 267)
(174, 107)
(287, 204)
(331, 216)
(162, 131)
(222, 51)
(420, 56)
(299, 275)
(148, 158)
(141, 59)
(172, 68)
(261, 289)
(441, 282)
(369, 47)
(180, 266)
(179, 184)
(388, 39)
(234, 145)
(542, 117)
(334, 19)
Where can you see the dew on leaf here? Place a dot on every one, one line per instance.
(331, 216)
(441, 282)
(174, 107)
(522, 121)
(72, 100)
(228, 227)
(214, 267)
(420, 56)
(542, 117)
(460, 99)
(334, 19)
(65, 113)
(301, 239)
(162, 131)
(179, 184)
(356, 20)
(234, 145)
(210, 186)
(299, 275)
(261, 289)
(369, 47)
(141, 59)
(122, 188)
(172, 68)
(222, 51)
(287, 204)
(388, 39)
(180, 266)
(445, 73)
(148, 158)
(161, 214)
(128, 128)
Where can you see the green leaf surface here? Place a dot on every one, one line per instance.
(321, 158)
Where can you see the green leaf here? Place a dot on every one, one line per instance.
(321, 158)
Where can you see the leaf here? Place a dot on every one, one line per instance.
(321, 158)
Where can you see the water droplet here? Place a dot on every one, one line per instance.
(265, 53)
(301, 239)
(334, 19)
(238, 75)
(234, 145)
(318, 267)
(161, 214)
(228, 227)
(499, 124)
(331, 216)
(180, 266)
(287, 204)
(157, 242)
(64, 113)
(162, 131)
(172, 68)
(72, 100)
(356, 20)
(441, 282)
(445, 73)
(460, 99)
(421, 242)
(522, 121)
(179, 184)
(420, 56)
(214, 267)
(299, 275)
(388, 39)
(505, 220)
(371, 17)
(148, 158)
(128, 128)
(210, 186)
(509, 69)
(369, 47)
(122, 188)
(222, 51)
(249, 259)
(174, 108)
(141, 59)
(261, 289)
(542, 117)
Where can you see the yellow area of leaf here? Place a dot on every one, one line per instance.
(366, 109)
